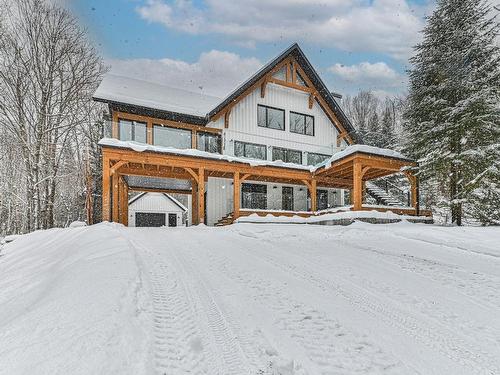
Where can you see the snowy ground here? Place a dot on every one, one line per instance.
(252, 299)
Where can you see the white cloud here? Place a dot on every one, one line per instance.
(386, 26)
(215, 73)
(371, 76)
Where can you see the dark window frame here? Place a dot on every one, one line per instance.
(250, 144)
(286, 152)
(155, 125)
(133, 128)
(317, 153)
(269, 107)
(218, 136)
(305, 116)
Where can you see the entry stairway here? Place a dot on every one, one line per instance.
(381, 196)
(226, 220)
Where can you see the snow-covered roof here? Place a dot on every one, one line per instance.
(141, 147)
(168, 196)
(114, 88)
(365, 149)
(349, 150)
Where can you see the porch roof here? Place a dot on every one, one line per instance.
(395, 158)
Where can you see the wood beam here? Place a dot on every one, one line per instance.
(106, 198)
(236, 195)
(357, 201)
(311, 100)
(117, 166)
(263, 89)
(226, 118)
(123, 200)
(194, 204)
(294, 72)
(314, 195)
(291, 85)
(115, 209)
(166, 191)
(201, 195)
(193, 174)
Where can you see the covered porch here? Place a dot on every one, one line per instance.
(125, 166)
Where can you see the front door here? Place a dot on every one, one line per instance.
(287, 198)
(172, 220)
(322, 199)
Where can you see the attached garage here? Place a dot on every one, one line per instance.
(156, 210)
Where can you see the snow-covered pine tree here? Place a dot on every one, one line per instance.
(453, 119)
(387, 131)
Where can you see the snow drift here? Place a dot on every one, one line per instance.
(251, 299)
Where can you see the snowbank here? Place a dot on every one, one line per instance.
(252, 299)
(71, 303)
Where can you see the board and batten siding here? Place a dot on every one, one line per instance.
(243, 123)
(151, 203)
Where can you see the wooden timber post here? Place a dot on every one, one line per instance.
(106, 198)
(236, 195)
(357, 199)
(123, 199)
(314, 196)
(194, 202)
(201, 195)
(414, 191)
(115, 207)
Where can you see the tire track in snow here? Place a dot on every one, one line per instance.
(177, 348)
(327, 343)
(233, 358)
(434, 336)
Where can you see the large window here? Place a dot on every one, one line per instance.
(250, 150)
(171, 137)
(254, 196)
(209, 142)
(132, 131)
(287, 155)
(313, 158)
(301, 124)
(269, 117)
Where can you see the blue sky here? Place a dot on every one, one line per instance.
(212, 45)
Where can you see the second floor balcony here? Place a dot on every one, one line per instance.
(170, 134)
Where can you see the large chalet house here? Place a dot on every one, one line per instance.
(279, 144)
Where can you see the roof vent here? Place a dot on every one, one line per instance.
(336, 95)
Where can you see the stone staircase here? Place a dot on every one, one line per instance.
(226, 220)
(381, 196)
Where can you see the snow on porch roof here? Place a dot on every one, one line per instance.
(118, 89)
(349, 150)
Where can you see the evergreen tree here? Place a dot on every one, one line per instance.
(453, 119)
(387, 131)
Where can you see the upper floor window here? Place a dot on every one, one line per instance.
(269, 117)
(250, 150)
(314, 158)
(301, 124)
(287, 155)
(209, 142)
(132, 130)
(171, 137)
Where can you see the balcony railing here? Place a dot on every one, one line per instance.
(182, 137)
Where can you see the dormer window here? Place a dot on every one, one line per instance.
(301, 123)
(269, 117)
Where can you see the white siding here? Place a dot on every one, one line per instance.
(243, 123)
(219, 199)
(154, 202)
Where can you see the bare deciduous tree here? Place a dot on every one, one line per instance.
(48, 72)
